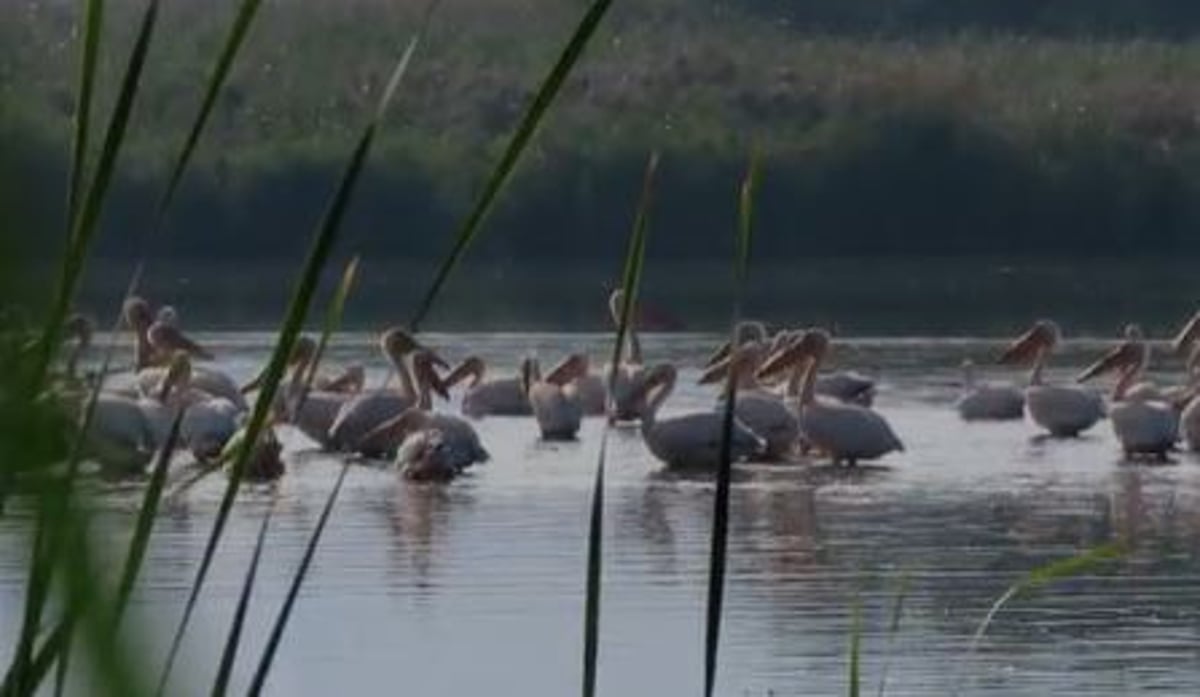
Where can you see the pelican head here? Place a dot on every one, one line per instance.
(1128, 356)
(571, 368)
(425, 364)
(397, 344)
(1043, 336)
(303, 351)
(615, 302)
(81, 328)
(743, 361)
(471, 369)
(653, 390)
(136, 312)
(813, 344)
(167, 315)
(1187, 336)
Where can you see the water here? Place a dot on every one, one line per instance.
(476, 587)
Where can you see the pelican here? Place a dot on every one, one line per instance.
(1144, 426)
(311, 411)
(208, 422)
(1063, 410)
(443, 441)
(362, 413)
(555, 398)
(989, 401)
(125, 430)
(847, 432)
(850, 386)
(690, 441)
(499, 397)
(764, 413)
(751, 337)
(630, 372)
(383, 440)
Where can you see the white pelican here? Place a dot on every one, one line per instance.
(364, 412)
(847, 432)
(690, 441)
(1144, 426)
(312, 412)
(763, 412)
(498, 397)
(989, 401)
(425, 457)
(208, 422)
(456, 445)
(555, 398)
(631, 371)
(847, 386)
(1063, 410)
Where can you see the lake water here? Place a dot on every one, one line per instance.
(476, 588)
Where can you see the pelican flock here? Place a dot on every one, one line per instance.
(786, 411)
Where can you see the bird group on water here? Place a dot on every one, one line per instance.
(786, 409)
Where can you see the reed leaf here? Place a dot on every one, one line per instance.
(525, 131)
(855, 648)
(893, 630)
(229, 655)
(93, 22)
(630, 280)
(333, 319)
(719, 538)
(285, 612)
(87, 217)
(242, 22)
(319, 252)
(1061, 569)
(147, 514)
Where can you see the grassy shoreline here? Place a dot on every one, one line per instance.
(952, 143)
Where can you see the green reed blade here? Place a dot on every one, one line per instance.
(146, 517)
(719, 538)
(318, 255)
(630, 280)
(84, 223)
(37, 669)
(855, 648)
(242, 22)
(93, 22)
(333, 319)
(1079, 564)
(525, 130)
(229, 655)
(285, 612)
(893, 630)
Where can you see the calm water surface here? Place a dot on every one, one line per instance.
(476, 587)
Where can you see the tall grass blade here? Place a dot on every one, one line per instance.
(83, 224)
(318, 255)
(93, 22)
(242, 22)
(1043, 575)
(630, 280)
(525, 130)
(145, 520)
(333, 319)
(285, 612)
(719, 539)
(855, 648)
(229, 655)
(893, 629)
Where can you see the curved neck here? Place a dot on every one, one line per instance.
(400, 366)
(808, 389)
(660, 393)
(1039, 364)
(143, 352)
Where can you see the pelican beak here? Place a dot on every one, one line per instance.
(1024, 349)
(721, 354)
(254, 384)
(1187, 336)
(774, 367)
(716, 371)
(1120, 358)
